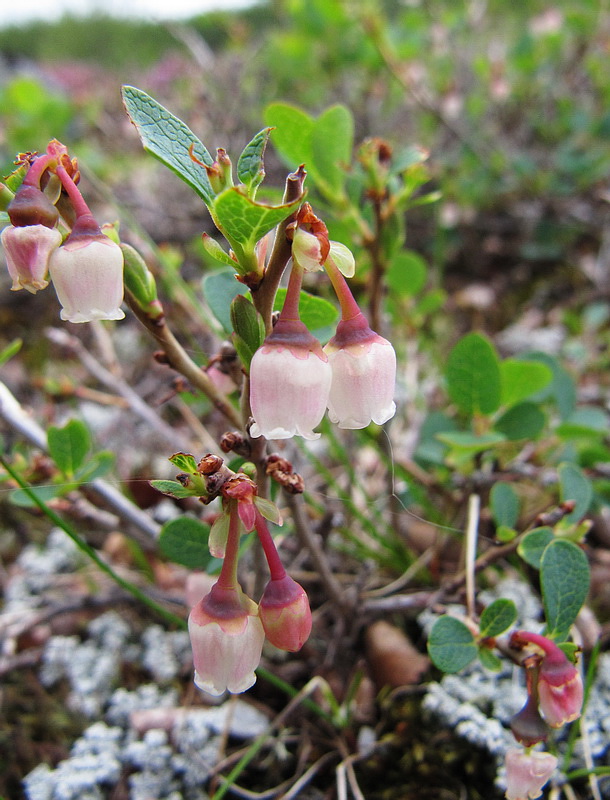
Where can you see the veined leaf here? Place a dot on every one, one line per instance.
(171, 141)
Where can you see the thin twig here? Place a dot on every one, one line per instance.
(263, 295)
(227, 783)
(472, 531)
(309, 540)
(180, 361)
(19, 420)
(74, 346)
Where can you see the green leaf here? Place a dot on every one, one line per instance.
(524, 421)
(497, 617)
(167, 138)
(269, 510)
(574, 485)
(521, 379)
(213, 249)
(586, 421)
(332, 141)
(407, 273)
(505, 504)
(489, 659)
(171, 488)
(44, 493)
(10, 350)
(292, 134)
(250, 166)
(184, 462)
(451, 645)
(243, 350)
(244, 222)
(564, 580)
(505, 534)
(315, 312)
(470, 442)
(533, 545)
(473, 375)
(247, 323)
(220, 289)
(562, 388)
(184, 540)
(99, 464)
(69, 445)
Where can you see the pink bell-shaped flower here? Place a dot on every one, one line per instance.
(87, 273)
(227, 639)
(285, 614)
(526, 773)
(289, 383)
(363, 375)
(559, 683)
(28, 249)
(560, 689)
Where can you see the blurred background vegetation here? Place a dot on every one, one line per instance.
(511, 100)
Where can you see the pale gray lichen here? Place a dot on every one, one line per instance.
(91, 667)
(123, 703)
(165, 654)
(37, 570)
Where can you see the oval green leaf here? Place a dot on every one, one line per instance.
(171, 141)
(575, 485)
(473, 375)
(521, 379)
(523, 421)
(69, 445)
(184, 540)
(497, 617)
(533, 545)
(564, 580)
(505, 504)
(451, 645)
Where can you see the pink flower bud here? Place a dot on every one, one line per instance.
(30, 206)
(87, 273)
(28, 250)
(364, 375)
(227, 639)
(527, 725)
(289, 383)
(526, 773)
(285, 614)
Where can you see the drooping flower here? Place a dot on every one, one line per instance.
(363, 375)
(285, 614)
(28, 250)
(560, 689)
(31, 238)
(526, 773)
(527, 725)
(289, 383)
(87, 273)
(559, 682)
(227, 640)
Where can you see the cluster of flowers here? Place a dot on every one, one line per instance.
(293, 379)
(227, 628)
(86, 266)
(554, 698)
